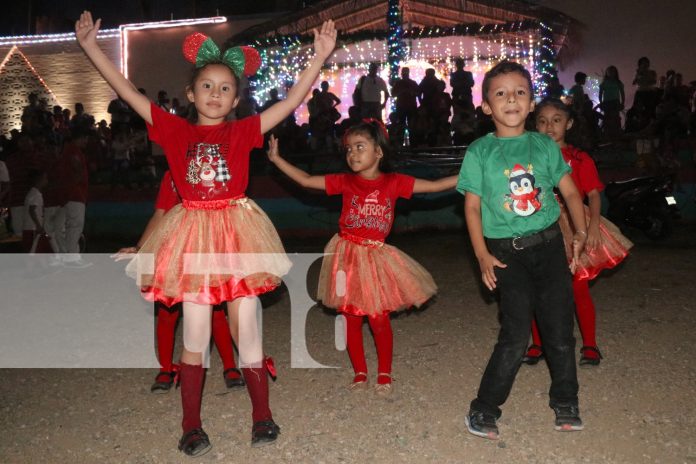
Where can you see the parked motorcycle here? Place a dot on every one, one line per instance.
(644, 203)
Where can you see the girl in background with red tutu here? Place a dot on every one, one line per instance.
(605, 247)
(168, 316)
(360, 274)
(217, 245)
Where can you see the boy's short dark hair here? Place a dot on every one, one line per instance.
(505, 67)
(580, 77)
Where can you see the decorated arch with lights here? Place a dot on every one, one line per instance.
(419, 34)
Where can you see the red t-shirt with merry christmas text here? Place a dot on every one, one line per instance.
(368, 205)
(584, 172)
(206, 162)
(167, 196)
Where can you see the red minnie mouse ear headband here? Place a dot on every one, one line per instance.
(200, 50)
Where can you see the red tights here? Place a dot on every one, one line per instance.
(384, 342)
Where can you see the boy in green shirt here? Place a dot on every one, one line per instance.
(511, 213)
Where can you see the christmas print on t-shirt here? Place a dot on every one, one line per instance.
(523, 198)
(207, 168)
(374, 212)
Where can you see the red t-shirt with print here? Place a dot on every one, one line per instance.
(584, 172)
(167, 196)
(368, 205)
(206, 162)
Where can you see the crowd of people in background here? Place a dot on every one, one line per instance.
(423, 114)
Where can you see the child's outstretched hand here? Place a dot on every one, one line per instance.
(325, 39)
(488, 263)
(124, 253)
(273, 153)
(86, 29)
(578, 246)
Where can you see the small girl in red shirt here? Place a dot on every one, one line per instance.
(605, 247)
(360, 274)
(168, 316)
(218, 245)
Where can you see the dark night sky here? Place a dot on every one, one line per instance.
(15, 17)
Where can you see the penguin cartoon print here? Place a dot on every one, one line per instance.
(523, 198)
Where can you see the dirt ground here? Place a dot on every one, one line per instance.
(638, 405)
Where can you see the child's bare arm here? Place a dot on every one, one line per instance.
(487, 262)
(573, 201)
(293, 172)
(438, 185)
(595, 202)
(86, 33)
(35, 219)
(324, 43)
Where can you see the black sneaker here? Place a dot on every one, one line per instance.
(482, 425)
(567, 418)
(195, 443)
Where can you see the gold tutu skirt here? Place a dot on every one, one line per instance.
(368, 278)
(210, 252)
(613, 246)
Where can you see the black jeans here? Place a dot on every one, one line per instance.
(535, 284)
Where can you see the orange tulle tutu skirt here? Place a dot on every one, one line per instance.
(613, 246)
(210, 252)
(369, 278)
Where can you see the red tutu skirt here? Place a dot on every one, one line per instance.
(368, 278)
(613, 246)
(210, 252)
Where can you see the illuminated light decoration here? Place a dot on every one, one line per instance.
(482, 46)
(125, 28)
(395, 38)
(52, 38)
(14, 50)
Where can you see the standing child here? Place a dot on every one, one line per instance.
(361, 275)
(512, 218)
(611, 99)
(192, 255)
(34, 238)
(168, 316)
(606, 246)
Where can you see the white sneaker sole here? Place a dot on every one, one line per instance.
(489, 435)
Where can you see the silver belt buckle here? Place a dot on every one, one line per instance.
(514, 244)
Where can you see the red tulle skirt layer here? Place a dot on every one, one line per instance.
(209, 253)
(613, 246)
(371, 279)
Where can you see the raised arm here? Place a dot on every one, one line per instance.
(86, 33)
(293, 172)
(438, 185)
(324, 43)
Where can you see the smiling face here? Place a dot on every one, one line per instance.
(508, 101)
(553, 122)
(363, 155)
(214, 94)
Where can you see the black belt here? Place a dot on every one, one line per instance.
(528, 241)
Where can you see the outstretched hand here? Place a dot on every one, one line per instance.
(273, 153)
(325, 39)
(125, 253)
(86, 29)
